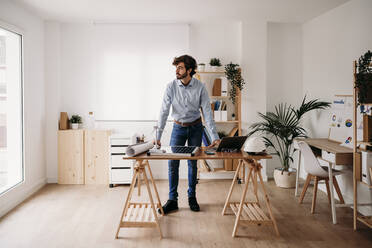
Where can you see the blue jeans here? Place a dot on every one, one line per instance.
(193, 136)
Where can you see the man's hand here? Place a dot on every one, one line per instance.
(214, 143)
(157, 143)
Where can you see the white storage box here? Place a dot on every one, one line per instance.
(366, 164)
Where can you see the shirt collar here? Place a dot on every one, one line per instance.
(189, 85)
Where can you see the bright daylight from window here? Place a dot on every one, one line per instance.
(11, 108)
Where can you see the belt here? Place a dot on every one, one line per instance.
(187, 124)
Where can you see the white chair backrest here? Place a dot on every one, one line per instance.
(311, 163)
(295, 144)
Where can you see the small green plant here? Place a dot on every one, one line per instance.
(363, 78)
(215, 62)
(234, 75)
(75, 119)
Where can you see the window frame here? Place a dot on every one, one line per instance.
(11, 28)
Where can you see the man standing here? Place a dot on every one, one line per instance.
(186, 95)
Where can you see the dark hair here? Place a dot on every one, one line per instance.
(190, 63)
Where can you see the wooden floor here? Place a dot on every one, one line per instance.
(87, 216)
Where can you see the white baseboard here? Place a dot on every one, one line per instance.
(23, 194)
(52, 180)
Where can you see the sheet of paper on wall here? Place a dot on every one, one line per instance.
(345, 137)
(341, 113)
(338, 103)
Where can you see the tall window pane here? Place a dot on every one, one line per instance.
(11, 109)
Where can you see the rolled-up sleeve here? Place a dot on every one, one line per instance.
(164, 111)
(207, 112)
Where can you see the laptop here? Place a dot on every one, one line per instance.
(175, 151)
(230, 144)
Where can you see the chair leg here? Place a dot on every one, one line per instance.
(328, 192)
(314, 195)
(337, 188)
(306, 185)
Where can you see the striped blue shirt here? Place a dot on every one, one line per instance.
(186, 102)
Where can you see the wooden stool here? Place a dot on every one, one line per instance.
(316, 180)
(250, 212)
(141, 214)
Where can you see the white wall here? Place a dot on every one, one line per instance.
(284, 70)
(69, 76)
(331, 42)
(254, 68)
(52, 98)
(34, 101)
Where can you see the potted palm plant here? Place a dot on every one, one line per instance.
(281, 128)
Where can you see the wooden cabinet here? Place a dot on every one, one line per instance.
(70, 157)
(97, 156)
(83, 156)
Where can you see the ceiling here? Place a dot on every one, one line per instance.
(178, 11)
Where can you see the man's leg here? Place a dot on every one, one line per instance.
(178, 138)
(194, 139)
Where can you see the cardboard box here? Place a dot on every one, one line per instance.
(63, 121)
(216, 91)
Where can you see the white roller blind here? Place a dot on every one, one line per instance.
(132, 63)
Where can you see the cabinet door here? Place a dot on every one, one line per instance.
(70, 157)
(97, 154)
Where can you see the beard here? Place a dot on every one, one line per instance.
(181, 76)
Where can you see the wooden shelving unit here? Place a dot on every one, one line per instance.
(367, 220)
(232, 123)
(210, 72)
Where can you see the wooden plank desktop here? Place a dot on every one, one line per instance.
(328, 145)
(201, 155)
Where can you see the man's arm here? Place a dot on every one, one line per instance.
(164, 112)
(208, 116)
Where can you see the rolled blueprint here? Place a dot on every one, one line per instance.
(136, 149)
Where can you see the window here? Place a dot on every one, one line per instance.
(130, 58)
(11, 110)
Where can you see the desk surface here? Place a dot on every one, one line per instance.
(328, 145)
(201, 155)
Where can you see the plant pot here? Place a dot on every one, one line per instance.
(285, 179)
(215, 68)
(201, 68)
(75, 125)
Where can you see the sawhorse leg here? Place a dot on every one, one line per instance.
(253, 212)
(142, 217)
